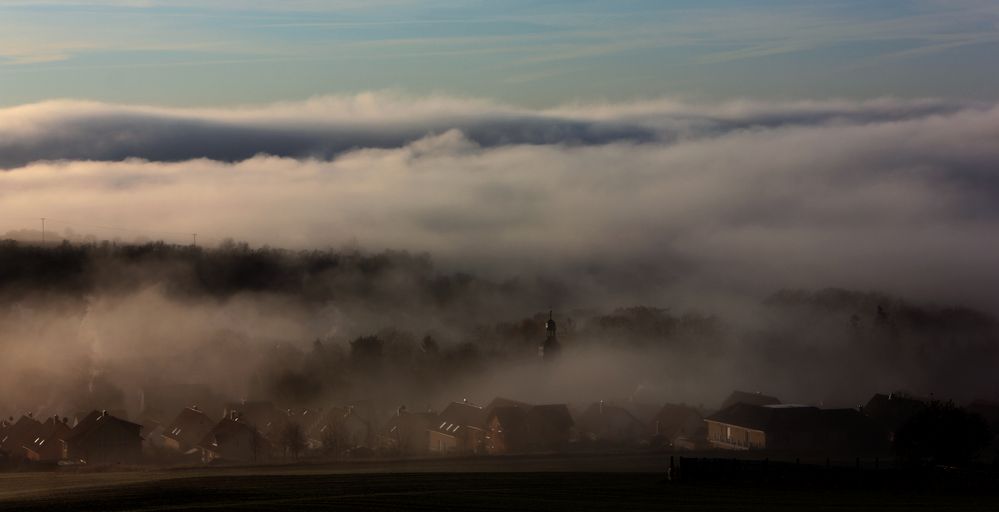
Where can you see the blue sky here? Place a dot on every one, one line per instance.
(534, 53)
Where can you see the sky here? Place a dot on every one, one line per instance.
(529, 53)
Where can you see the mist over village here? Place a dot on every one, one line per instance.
(339, 353)
(411, 254)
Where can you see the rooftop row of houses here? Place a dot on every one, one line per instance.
(259, 431)
(97, 437)
(502, 426)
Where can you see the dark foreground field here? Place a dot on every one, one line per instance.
(514, 484)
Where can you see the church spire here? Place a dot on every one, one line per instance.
(550, 348)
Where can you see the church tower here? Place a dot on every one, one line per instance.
(549, 350)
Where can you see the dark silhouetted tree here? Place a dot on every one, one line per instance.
(429, 346)
(367, 350)
(332, 440)
(293, 439)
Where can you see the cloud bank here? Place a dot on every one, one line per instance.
(657, 201)
(326, 127)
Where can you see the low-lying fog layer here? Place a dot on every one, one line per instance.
(741, 197)
(707, 209)
(152, 328)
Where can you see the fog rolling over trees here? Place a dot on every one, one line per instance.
(150, 328)
(645, 202)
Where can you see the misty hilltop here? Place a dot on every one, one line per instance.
(703, 200)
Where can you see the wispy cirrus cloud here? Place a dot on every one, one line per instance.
(471, 46)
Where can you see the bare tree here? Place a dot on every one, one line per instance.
(293, 439)
(332, 441)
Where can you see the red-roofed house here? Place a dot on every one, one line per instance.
(506, 430)
(461, 429)
(18, 435)
(407, 433)
(233, 439)
(101, 438)
(48, 445)
(187, 429)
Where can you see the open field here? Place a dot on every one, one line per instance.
(628, 482)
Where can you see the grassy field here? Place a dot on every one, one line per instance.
(543, 483)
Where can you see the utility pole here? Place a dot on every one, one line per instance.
(194, 239)
(43, 230)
